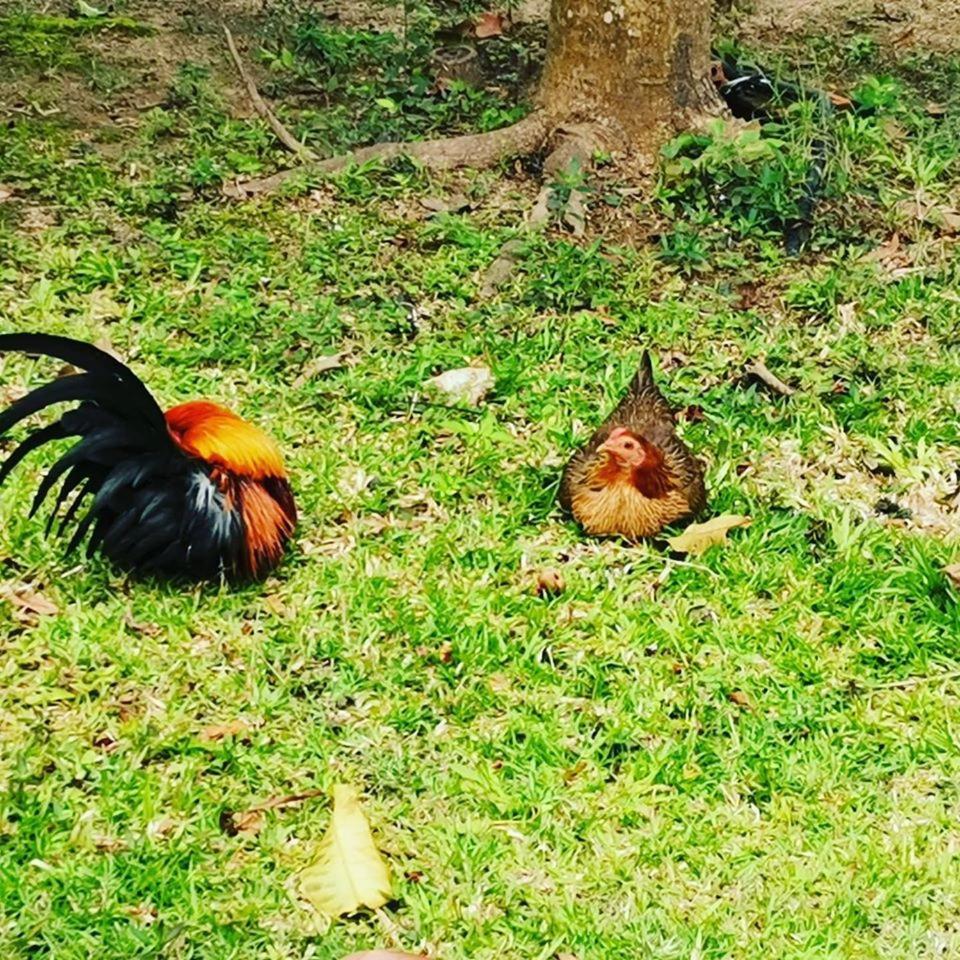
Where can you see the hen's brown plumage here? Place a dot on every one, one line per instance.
(609, 498)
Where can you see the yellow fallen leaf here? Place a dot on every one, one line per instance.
(349, 872)
(700, 536)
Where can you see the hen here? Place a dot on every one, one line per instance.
(635, 475)
(196, 492)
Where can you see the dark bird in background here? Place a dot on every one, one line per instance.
(635, 475)
(753, 95)
(196, 492)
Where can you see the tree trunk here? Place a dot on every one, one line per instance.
(639, 67)
(620, 75)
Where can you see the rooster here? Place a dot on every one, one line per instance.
(196, 492)
(635, 475)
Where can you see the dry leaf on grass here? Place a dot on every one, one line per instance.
(349, 872)
(242, 822)
(275, 604)
(28, 604)
(739, 698)
(316, 366)
(758, 371)
(467, 384)
(219, 731)
(489, 24)
(699, 537)
(886, 251)
(550, 582)
(251, 820)
(136, 626)
(939, 215)
(5, 192)
(953, 574)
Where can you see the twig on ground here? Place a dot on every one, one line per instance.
(759, 370)
(288, 801)
(477, 150)
(261, 106)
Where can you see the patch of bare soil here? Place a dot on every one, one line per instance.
(144, 67)
(900, 24)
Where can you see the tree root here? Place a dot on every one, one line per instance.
(567, 163)
(562, 195)
(477, 150)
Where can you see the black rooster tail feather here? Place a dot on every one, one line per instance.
(107, 381)
(116, 415)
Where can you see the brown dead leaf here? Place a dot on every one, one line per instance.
(5, 192)
(939, 215)
(246, 822)
(28, 604)
(567, 956)
(934, 109)
(550, 582)
(251, 820)
(220, 731)
(101, 306)
(886, 250)
(316, 366)
(904, 38)
(839, 100)
(758, 371)
(490, 24)
(354, 480)
(385, 955)
(893, 130)
(445, 653)
(740, 699)
(699, 537)
(145, 629)
(748, 295)
(953, 574)
(104, 843)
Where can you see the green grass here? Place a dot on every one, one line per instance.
(546, 776)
